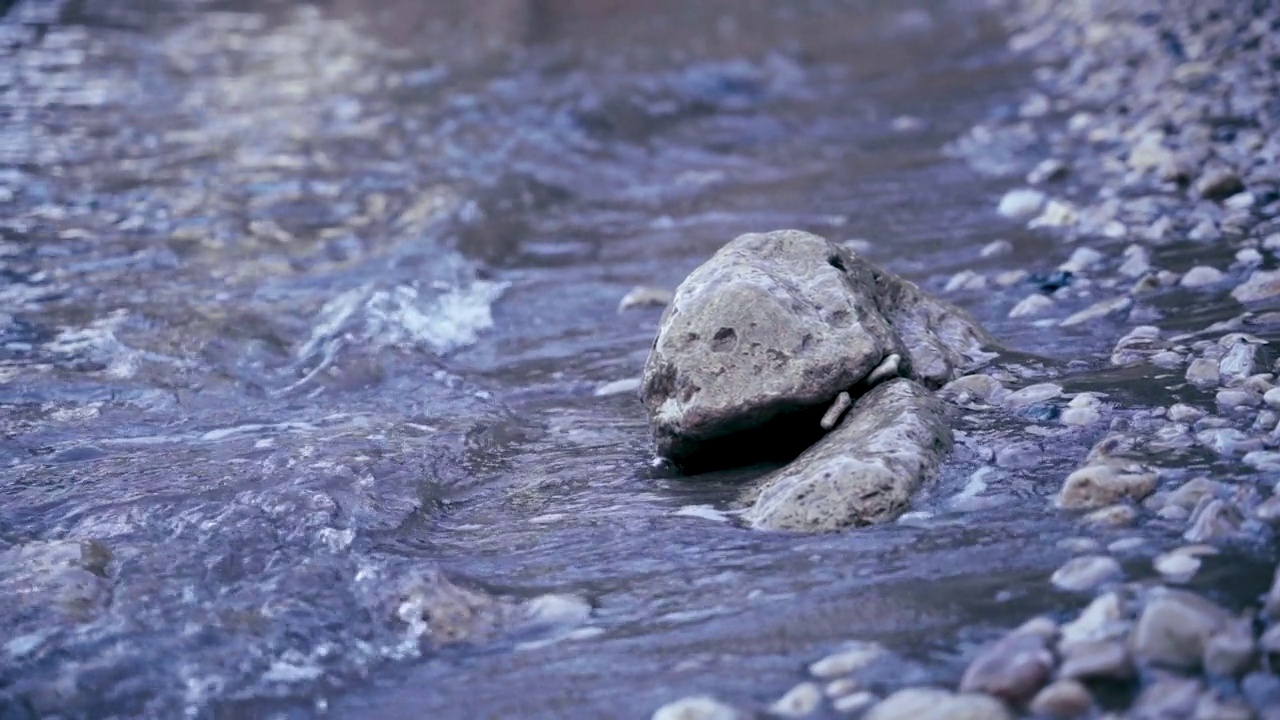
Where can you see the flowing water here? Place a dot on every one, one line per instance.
(302, 305)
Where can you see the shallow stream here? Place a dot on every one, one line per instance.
(301, 304)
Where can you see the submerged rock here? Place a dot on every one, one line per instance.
(866, 470)
(68, 577)
(1098, 485)
(775, 326)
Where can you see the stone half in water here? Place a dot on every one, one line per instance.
(866, 470)
(760, 339)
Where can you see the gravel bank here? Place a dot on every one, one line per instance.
(1149, 150)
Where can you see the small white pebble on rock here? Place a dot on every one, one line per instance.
(1085, 574)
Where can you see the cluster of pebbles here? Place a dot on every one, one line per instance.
(1157, 125)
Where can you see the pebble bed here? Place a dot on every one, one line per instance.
(1158, 123)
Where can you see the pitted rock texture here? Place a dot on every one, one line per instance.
(780, 323)
(866, 470)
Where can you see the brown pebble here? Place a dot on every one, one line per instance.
(1012, 669)
(1063, 699)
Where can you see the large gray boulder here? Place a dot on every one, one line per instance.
(774, 326)
(866, 470)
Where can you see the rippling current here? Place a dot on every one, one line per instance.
(304, 307)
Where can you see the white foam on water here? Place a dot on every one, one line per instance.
(253, 428)
(98, 342)
(443, 322)
(443, 319)
(705, 512)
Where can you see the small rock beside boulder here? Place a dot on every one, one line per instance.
(866, 470)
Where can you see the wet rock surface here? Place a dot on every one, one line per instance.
(774, 326)
(865, 471)
(1172, 185)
